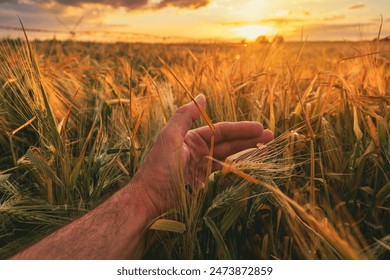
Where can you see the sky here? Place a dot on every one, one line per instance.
(195, 20)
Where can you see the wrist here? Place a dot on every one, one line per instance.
(140, 199)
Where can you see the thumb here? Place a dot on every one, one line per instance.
(186, 115)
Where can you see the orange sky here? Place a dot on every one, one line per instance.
(181, 20)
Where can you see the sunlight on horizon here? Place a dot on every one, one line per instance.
(251, 32)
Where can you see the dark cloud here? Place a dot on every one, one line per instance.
(183, 4)
(355, 7)
(134, 4)
(129, 4)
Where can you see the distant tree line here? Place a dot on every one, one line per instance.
(262, 39)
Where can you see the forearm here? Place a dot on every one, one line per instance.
(114, 230)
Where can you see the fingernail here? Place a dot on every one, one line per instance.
(199, 97)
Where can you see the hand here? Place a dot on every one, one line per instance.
(180, 154)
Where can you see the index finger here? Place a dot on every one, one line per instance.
(230, 131)
(184, 117)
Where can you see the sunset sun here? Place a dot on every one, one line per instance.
(251, 32)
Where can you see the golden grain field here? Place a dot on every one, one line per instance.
(77, 120)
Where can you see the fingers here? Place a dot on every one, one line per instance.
(186, 115)
(230, 131)
(227, 148)
(267, 136)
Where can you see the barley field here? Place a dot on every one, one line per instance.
(77, 120)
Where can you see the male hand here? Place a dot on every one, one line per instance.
(179, 155)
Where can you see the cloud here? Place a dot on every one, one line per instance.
(331, 27)
(335, 17)
(300, 13)
(237, 23)
(355, 7)
(183, 4)
(274, 20)
(128, 4)
(336, 31)
(281, 20)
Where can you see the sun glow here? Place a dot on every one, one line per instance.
(251, 32)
